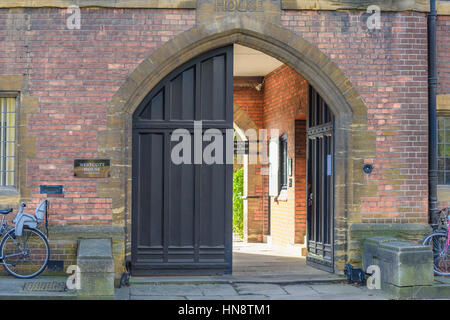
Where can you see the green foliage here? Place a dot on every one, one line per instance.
(238, 203)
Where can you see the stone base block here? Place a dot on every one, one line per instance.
(402, 264)
(359, 232)
(96, 284)
(96, 265)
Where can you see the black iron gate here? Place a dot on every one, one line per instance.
(320, 183)
(182, 213)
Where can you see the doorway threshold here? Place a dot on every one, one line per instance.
(272, 279)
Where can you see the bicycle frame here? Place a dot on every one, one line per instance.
(19, 251)
(4, 227)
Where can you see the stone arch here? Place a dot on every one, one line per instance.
(242, 119)
(355, 143)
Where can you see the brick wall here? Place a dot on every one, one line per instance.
(75, 73)
(388, 68)
(300, 180)
(251, 101)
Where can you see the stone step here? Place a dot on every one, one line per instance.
(272, 279)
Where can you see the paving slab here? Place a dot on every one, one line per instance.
(259, 288)
(122, 293)
(301, 290)
(347, 292)
(292, 297)
(166, 290)
(217, 289)
(232, 297)
(12, 288)
(156, 298)
(349, 297)
(343, 289)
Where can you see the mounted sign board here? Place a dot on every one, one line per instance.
(91, 168)
(273, 167)
(241, 147)
(329, 165)
(47, 189)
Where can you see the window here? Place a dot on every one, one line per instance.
(283, 162)
(7, 141)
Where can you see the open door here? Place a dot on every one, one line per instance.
(320, 181)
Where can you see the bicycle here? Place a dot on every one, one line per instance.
(439, 239)
(24, 249)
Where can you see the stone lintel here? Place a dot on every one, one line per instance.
(145, 4)
(443, 7)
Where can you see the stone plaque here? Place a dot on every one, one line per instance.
(208, 10)
(91, 168)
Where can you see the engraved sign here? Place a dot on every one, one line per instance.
(239, 5)
(91, 168)
(210, 10)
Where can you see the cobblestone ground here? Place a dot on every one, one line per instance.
(248, 291)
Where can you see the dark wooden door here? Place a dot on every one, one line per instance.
(182, 213)
(320, 219)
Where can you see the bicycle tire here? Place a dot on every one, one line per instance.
(426, 242)
(8, 235)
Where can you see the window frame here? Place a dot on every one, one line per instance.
(13, 189)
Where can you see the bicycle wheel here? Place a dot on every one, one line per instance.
(441, 256)
(26, 256)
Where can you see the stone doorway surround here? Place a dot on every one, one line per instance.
(354, 142)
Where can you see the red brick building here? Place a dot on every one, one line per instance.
(73, 93)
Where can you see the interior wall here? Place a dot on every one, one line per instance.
(251, 101)
(300, 180)
(280, 104)
(285, 99)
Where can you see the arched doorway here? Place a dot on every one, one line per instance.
(330, 82)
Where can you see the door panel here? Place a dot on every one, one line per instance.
(320, 183)
(155, 108)
(152, 179)
(182, 214)
(182, 95)
(213, 75)
(181, 206)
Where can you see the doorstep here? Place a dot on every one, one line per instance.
(270, 279)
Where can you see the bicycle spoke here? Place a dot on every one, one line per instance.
(442, 262)
(26, 255)
(441, 258)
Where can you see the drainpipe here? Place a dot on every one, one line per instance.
(432, 118)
